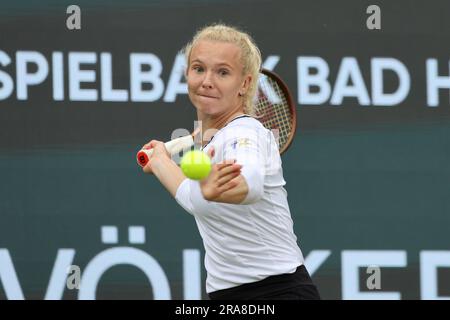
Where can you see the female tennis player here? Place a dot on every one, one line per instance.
(241, 208)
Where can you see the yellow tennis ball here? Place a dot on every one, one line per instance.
(196, 165)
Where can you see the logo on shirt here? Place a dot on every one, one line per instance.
(241, 142)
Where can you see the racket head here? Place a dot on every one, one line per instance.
(275, 108)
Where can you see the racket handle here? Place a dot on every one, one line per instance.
(173, 147)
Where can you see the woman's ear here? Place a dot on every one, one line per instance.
(246, 84)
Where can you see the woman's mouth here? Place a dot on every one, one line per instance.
(207, 96)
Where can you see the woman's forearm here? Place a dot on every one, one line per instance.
(168, 173)
(235, 195)
(171, 176)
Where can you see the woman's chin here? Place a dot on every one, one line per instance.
(209, 110)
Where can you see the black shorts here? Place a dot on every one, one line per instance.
(289, 286)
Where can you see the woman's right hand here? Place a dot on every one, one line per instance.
(159, 153)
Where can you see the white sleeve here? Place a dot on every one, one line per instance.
(201, 205)
(190, 197)
(183, 196)
(249, 149)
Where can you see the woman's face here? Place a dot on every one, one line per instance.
(215, 78)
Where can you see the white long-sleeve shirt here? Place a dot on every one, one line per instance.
(250, 241)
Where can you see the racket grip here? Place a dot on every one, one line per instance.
(173, 147)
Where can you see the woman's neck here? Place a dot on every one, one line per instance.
(216, 123)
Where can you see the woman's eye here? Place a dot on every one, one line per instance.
(197, 68)
(223, 72)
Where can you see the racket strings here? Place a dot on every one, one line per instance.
(273, 111)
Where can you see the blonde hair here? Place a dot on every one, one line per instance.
(250, 54)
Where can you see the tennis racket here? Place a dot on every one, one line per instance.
(274, 108)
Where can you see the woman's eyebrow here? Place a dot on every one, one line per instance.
(219, 64)
(224, 64)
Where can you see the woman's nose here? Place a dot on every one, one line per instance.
(207, 81)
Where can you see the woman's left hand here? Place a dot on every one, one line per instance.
(221, 178)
